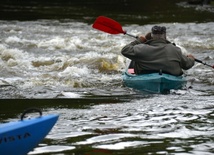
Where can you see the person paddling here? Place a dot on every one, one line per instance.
(157, 54)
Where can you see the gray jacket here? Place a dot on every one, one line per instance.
(157, 55)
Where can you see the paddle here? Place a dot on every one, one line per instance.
(111, 26)
(204, 63)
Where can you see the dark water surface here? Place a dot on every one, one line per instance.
(51, 58)
(126, 11)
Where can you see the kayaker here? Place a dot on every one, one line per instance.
(157, 54)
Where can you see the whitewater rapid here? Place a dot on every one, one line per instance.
(47, 57)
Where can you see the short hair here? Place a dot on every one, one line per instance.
(158, 32)
(158, 29)
(159, 36)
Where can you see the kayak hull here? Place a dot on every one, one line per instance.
(154, 82)
(22, 136)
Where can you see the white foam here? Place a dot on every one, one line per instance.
(51, 149)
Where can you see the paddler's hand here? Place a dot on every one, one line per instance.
(191, 56)
(141, 38)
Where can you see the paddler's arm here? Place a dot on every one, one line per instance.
(128, 50)
(187, 61)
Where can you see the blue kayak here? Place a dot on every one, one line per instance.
(154, 82)
(20, 137)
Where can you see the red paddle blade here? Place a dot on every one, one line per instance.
(108, 25)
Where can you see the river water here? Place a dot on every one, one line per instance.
(68, 68)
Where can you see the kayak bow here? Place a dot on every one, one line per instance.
(20, 137)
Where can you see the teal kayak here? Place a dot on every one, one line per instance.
(154, 82)
(20, 137)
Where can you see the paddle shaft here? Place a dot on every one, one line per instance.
(130, 35)
(204, 63)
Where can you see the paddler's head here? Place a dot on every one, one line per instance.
(158, 32)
